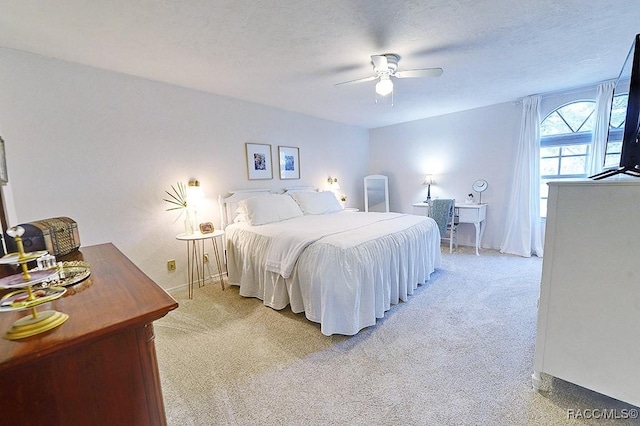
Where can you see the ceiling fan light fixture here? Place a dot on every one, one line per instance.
(385, 86)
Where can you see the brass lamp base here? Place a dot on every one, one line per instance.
(35, 324)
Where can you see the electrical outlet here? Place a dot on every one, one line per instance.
(206, 258)
(171, 265)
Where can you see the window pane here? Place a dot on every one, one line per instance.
(611, 160)
(553, 125)
(576, 113)
(550, 151)
(589, 123)
(618, 110)
(614, 147)
(549, 166)
(543, 207)
(573, 166)
(544, 189)
(612, 154)
(574, 150)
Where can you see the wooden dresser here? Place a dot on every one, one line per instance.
(99, 367)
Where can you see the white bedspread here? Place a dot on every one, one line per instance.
(285, 247)
(343, 269)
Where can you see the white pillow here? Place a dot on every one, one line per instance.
(269, 208)
(317, 202)
(239, 217)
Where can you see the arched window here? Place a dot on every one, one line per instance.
(565, 141)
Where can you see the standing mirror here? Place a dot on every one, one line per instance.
(376, 193)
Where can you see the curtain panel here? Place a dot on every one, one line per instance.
(604, 97)
(523, 228)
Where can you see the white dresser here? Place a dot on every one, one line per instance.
(589, 307)
(466, 213)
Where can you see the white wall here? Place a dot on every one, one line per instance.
(102, 148)
(457, 149)
(551, 101)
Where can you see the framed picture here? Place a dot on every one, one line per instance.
(259, 161)
(206, 228)
(289, 162)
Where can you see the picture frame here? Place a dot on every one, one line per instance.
(206, 228)
(289, 159)
(259, 161)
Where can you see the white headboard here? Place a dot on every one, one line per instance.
(299, 188)
(229, 204)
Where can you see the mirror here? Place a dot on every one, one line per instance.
(376, 193)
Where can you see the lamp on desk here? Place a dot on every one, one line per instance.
(428, 180)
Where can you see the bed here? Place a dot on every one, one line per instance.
(342, 269)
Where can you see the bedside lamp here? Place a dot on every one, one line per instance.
(194, 199)
(333, 184)
(428, 180)
(194, 193)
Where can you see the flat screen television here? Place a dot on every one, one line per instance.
(628, 82)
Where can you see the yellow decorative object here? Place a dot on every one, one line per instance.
(37, 322)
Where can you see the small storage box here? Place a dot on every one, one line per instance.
(57, 235)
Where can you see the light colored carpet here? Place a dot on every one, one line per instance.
(459, 352)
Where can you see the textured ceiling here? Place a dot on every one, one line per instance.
(289, 54)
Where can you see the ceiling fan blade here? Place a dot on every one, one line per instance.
(360, 80)
(380, 62)
(426, 72)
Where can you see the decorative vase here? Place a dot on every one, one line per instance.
(188, 223)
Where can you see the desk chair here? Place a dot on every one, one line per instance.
(442, 210)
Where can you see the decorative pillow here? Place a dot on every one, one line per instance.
(239, 217)
(317, 202)
(270, 208)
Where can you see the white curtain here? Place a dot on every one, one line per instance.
(523, 229)
(601, 129)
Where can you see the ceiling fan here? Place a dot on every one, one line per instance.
(386, 66)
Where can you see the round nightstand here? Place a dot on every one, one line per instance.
(195, 256)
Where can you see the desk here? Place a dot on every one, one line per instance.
(466, 213)
(195, 256)
(100, 366)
